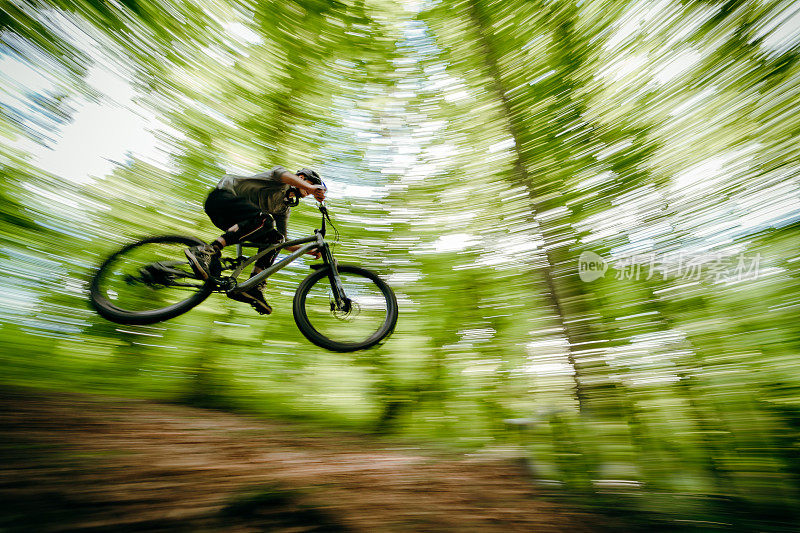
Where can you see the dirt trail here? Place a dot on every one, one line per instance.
(71, 462)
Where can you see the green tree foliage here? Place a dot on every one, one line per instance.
(474, 150)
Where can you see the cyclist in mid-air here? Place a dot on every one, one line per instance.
(254, 209)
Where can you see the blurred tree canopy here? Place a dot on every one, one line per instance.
(475, 152)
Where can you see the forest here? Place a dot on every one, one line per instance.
(588, 211)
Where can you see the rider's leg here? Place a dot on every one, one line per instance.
(256, 294)
(239, 218)
(258, 229)
(275, 236)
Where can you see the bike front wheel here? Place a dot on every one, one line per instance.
(369, 316)
(148, 281)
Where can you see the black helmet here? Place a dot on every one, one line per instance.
(310, 175)
(292, 194)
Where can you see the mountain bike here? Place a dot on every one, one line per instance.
(342, 308)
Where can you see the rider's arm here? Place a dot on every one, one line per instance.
(316, 253)
(318, 191)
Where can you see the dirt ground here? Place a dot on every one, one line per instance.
(83, 463)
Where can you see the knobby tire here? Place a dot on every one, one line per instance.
(321, 340)
(112, 312)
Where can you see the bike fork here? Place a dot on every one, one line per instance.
(341, 300)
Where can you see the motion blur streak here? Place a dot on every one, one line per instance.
(476, 152)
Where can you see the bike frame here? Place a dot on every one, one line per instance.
(317, 241)
(310, 243)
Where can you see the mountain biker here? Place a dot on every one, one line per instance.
(254, 209)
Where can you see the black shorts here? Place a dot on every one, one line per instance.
(225, 209)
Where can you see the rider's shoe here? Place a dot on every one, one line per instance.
(254, 297)
(201, 257)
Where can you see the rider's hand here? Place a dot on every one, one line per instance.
(315, 253)
(318, 191)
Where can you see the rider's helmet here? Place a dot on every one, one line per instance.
(310, 175)
(292, 195)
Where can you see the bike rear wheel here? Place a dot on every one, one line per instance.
(148, 281)
(370, 317)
